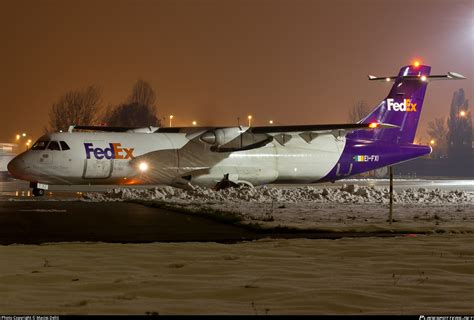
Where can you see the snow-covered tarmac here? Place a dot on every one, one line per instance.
(21, 188)
(410, 274)
(402, 275)
(343, 208)
(347, 205)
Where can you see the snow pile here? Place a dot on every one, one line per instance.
(348, 194)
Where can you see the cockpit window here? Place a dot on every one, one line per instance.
(39, 145)
(64, 145)
(53, 145)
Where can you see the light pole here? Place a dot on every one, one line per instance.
(432, 143)
(249, 117)
(171, 118)
(194, 123)
(19, 137)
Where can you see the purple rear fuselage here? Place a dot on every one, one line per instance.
(367, 150)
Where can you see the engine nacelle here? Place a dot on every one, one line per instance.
(234, 139)
(149, 129)
(220, 137)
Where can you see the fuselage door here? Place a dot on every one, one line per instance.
(97, 169)
(98, 160)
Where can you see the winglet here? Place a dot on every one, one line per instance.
(454, 75)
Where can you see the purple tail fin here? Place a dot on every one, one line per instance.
(402, 107)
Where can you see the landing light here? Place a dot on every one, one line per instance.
(143, 166)
(374, 125)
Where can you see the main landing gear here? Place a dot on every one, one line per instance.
(38, 188)
(38, 192)
(230, 181)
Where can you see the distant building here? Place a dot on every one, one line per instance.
(7, 152)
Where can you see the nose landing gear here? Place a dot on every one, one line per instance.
(38, 188)
(38, 192)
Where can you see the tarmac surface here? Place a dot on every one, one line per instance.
(61, 216)
(36, 222)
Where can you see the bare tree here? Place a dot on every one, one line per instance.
(138, 111)
(75, 107)
(460, 128)
(438, 132)
(142, 94)
(131, 115)
(358, 111)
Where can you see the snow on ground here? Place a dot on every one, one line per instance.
(348, 207)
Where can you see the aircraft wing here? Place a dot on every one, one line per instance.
(264, 129)
(319, 128)
(228, 139)
(114, 129)
(309, 132)
(286, 129)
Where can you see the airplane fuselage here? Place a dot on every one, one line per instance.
(171, 158)
(242, 155)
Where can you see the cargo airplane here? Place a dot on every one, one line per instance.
(223, 156)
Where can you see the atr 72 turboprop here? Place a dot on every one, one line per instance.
(235, 155)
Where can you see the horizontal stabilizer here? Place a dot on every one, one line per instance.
(420, 77)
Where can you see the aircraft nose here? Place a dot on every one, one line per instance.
(16, 167)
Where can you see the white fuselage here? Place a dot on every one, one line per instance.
(172, 158)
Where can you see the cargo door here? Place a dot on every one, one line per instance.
(97, 169)
(97, 165)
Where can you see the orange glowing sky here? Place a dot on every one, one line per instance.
(301, 61)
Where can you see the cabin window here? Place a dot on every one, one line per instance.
(64, 145)
(53, 145)
(39, 145)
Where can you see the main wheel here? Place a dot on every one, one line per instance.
(38, 192)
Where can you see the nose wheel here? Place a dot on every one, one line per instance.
(38, 192)
(38, 188)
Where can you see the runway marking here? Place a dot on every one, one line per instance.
(43, 210)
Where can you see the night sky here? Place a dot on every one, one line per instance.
(296, 62)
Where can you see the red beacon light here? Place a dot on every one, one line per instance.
(416, 64)
(374, 125)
